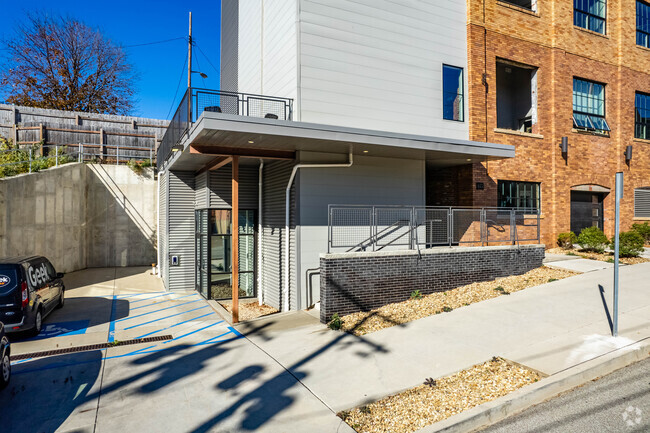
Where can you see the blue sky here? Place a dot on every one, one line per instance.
(140, 22)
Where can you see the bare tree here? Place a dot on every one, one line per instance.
(61, 63)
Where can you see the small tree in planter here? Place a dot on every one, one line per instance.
(630, 244)
(593, 239)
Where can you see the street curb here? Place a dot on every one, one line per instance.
(530, 395)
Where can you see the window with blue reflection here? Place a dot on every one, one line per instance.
(643, 24)
(452, 93)
(589, 105)
(642, 116)
(590, 14)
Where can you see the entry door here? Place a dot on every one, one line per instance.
(586, 210)
(201, 248)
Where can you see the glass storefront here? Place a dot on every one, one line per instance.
(214, 246)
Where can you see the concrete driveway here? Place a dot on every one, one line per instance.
(204, 376)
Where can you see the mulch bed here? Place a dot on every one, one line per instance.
(249, 310)
(603, 257)
(412, 309)
(441, 398)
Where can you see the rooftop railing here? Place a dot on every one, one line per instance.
(195, 101)
(354, 228)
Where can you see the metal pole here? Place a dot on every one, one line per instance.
(619, 195)
(56, 155)
(80, 152)
(117, 154)
(30, 160)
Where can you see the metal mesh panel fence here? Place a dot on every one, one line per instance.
(362, 228)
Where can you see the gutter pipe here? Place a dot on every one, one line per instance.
(259, 234)
(287, 198)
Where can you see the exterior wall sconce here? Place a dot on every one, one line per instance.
(564, 145)
(177, 148)
(628, 154)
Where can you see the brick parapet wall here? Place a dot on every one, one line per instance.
(354, 282)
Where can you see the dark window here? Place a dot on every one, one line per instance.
(590, 14)
(519, 195)
(589, 106)
(516, 96)
(528, 4)
(642, 116)
(452, 93)
(643, 24)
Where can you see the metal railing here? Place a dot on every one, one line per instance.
(34, 158)
(195, 101)
(374, 228)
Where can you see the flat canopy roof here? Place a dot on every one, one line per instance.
(226, 134)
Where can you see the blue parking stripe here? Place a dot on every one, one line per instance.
(176, 324)
(163, 318)
(137, 294)
(193, 332)
(111, 326)
(151, 297)
(168, 300)
(157, 311)
(212, 340)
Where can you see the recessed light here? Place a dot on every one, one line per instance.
(365, 151)
(469, 159)
(250, 142)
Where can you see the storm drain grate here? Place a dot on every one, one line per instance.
(89, 347)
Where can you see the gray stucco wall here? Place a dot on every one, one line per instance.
(80, 216)
(355, 282)
(369, 181)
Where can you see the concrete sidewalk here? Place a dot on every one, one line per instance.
(550, 328)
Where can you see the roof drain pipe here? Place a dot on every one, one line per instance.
(260, 290)
(287, 199)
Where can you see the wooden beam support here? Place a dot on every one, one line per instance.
(242, 152)
(215, 164)
(235, 239)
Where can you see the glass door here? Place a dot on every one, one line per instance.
(201, 249)
(221, 254)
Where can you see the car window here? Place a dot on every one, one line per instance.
(50, 269)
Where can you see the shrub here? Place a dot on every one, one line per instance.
(566, 240)
(593, 239)
(630, 244)
(336, 323)
(643, 230)
(416, 294)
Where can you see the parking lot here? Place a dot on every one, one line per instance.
(200, 375)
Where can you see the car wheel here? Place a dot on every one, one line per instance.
(6, 370)
(38, 322)
(61, 299)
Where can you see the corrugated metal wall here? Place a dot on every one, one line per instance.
(201, 191)
(221, 187)
(229, 44)
(163, 202)
(276, 175)
(181, 230)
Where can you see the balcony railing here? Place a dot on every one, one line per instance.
(195, 101)
(374, 228)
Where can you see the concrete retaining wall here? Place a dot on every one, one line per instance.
(353, 282)
(80, 216)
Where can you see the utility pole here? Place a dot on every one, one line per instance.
(189, 74)
(618, 197)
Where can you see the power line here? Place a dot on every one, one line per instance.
(206, 57)
(155, 42)
(177, 87)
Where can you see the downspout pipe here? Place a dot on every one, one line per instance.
(287, 200)
(259, 234)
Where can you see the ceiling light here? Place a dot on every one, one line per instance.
(250, 142)
(177, 148)
(365, 151)
(469, 159)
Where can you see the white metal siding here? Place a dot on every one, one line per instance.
(181, 230)
(229, 44)
(276, 176)
(377, 64)
(642, 202)
(249, 75)
(221, 187)
(279, 45)
(163, 203)
(201, 191)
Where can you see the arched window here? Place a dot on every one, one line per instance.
(642, 202)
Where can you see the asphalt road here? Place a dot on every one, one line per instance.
(619, 402)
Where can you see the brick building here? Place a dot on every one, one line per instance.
(542, 70)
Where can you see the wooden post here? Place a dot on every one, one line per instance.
(235, 239)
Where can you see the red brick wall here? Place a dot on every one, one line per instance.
(549, 41)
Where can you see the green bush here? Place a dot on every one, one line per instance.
(566, 240)
(139, 166)
(630, 244)
(336, 323)
(593, 239)
(643, 230)
(416, 294)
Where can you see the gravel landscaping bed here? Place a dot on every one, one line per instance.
(603, 257)
(438, 399)
(249, 310)
(439, 302)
